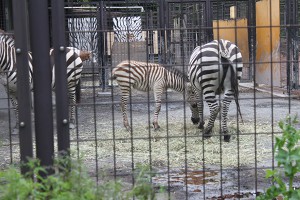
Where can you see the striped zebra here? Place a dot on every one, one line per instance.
(8, 67)
(147, 77)
(214, 69)
(127, 29)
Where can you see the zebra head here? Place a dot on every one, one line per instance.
(192, 99)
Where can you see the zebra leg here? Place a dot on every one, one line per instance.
(224, 111)
(72, 101)
(157, 110)
(214, 109)
(200, 108)
(199, 99)
(14, 103)
(124, 99)
(158, 90)
(195, 113)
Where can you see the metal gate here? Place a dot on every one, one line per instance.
(187, 24)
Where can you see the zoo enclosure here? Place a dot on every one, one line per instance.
(168, 31)
(168, 38)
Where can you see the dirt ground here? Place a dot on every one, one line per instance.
(188, 166)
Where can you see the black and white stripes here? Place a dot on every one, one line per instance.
(215, 68)
(147, 77)
(8, 66)
(127, 29)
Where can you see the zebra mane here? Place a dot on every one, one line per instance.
(7, 39)
(177, 73)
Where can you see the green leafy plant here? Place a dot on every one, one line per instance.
(69, 181)
(288, 157)
(75, 184)
(142, 190)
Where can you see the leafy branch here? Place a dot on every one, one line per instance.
(288, 157)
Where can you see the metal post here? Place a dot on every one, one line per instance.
(295, 48)
(167, 47)
(291, 12)
(101, 45)
(289, 37)
(39, 32)
(21, 44)
(252, 37)
(161, 33)
(61, 88)
(209, 21)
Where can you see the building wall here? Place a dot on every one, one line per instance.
(236, 31)
(268, 42)
(267, 68)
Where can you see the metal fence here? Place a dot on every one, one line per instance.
(164, 32)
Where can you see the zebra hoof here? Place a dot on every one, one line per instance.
(15, 131)
(207, 134)
(155, 126)
(195, 120)
(201, 125)
(227, 138)
(128, 128)
(72, 126)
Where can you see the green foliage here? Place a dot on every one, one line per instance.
(142, 190)
(287, 156)
(70, 181)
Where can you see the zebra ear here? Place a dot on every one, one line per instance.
(188, 85)
(188, 88)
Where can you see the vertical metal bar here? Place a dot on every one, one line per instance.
(167, 35)
(252, 37)
(21, 44)
(61, 88)
(39, 32)
(101, 45)
(288, 39)
(295, 48)
(209, 21)
(161, 33)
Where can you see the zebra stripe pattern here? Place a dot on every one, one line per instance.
(7, 66)
(215, 68)
(127, 29)
(147, 77)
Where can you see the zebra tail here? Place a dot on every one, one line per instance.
(235, 85)
(113, 77)
(78, 91)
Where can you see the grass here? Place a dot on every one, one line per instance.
(179, 145)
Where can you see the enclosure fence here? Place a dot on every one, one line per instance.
(173, 49)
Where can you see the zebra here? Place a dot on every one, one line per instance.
(8, 66)
(127, 29)
(215, 68)
(145, 76)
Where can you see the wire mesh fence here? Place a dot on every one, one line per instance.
(181, 160)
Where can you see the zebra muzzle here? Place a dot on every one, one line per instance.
(195, 120)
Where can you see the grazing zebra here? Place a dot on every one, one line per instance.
(215, 68)
(7, 66)
(147, 77)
